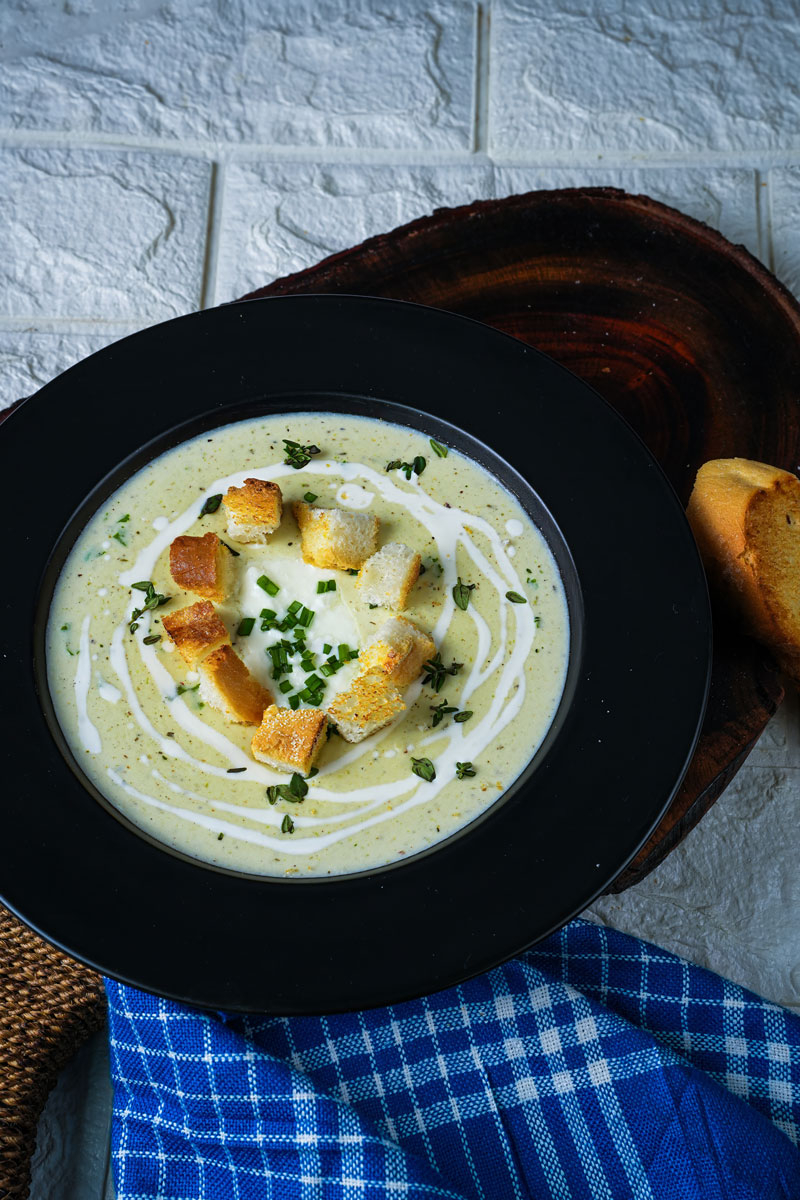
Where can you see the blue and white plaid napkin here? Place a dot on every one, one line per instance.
(594, 1066)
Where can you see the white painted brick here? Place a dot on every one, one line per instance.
(310, 72)
(783, 186)
(103, 235)
(666, 76)
(723, 199)
(279, 218)
(29, 360)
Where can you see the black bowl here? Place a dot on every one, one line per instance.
(89, 881)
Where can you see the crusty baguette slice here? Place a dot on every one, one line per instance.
(226, 684)
(254, 510)
(196, 631)
(201, 565)
(334, 538)
(290, 741)
(371, 702)
(746, 520)
(388, 576)
(399, 649)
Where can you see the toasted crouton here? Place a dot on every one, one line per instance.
(290, 741)
(745, 517)
(334, 538)
(226, 684)
(201, 565)
(254, 510)
(388, 576)
(399, 649)
(371, 702)
(196, 631)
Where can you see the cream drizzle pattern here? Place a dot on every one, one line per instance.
(451, 527)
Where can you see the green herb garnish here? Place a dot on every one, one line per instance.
(211, 504)
(298, 456)
(438, 449)
(436, 671)
(326, 585)
(424, 768)
(246, 626)
(287, 824)
(515, 598)
(464, 770)
(440, 711)
(235, 553)
(184, 687)
(151, 639)
(310, 497)
(295, 791)
(461, 593)
(413, 468)
(119, 536)
(461, 717)
(269, 587)
(235, 770)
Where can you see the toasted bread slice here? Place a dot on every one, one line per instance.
(371, 702)
(290, 741)
(201, 565)
(226, 684)
(388, 576)
(334, 538)
(196, 631)
(399, 649)
(746, 520)
(254, 510)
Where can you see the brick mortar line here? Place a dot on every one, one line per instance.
(230, 153)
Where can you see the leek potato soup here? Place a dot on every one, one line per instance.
(197, 678)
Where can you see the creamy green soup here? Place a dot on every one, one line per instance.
(131, 709)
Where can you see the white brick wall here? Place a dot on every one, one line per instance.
(162, 155)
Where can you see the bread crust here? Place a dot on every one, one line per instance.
(196, 631)
(290, 740)
(335, 539)
(371, 702)
(226, 684)
(399, 649)
(201, 565)
(254, 510)
(745, 517)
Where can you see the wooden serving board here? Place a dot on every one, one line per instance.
(688, 337)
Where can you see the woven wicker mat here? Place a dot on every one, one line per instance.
(49, 1005)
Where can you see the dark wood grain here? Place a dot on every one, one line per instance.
(687, 336)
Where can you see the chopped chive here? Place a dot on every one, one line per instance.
(438, 449)
(327, 670)
(269, 587)
(424, 768)
(285, 686)
(211, 505)
(326, 648)
(294, 607)
(326, 585)
(306, 617)
(314, 681)
(310, 497)
(268, 614)
(294, 702)
(245, 627)
(152, 639)
(515, 598)
(344, 652)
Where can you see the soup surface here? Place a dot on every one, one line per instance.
(132, 712)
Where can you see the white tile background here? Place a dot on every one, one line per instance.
(158, 156)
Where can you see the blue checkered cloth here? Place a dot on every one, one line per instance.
(594, 1066)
